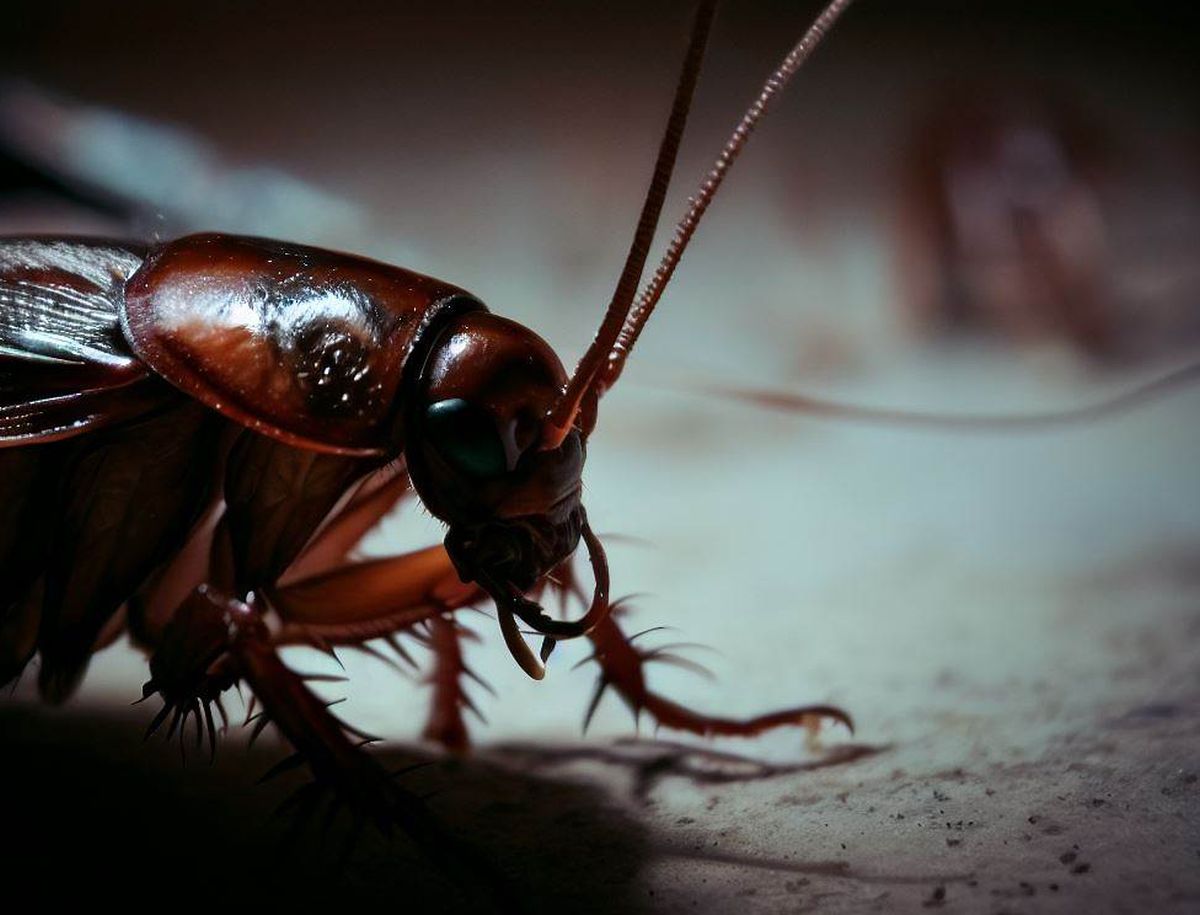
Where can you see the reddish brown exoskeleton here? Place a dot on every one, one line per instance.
(194, 436)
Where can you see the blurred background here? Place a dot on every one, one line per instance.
(984, 207)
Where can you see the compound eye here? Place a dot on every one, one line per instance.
(466, 437)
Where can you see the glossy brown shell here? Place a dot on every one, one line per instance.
(304, 345)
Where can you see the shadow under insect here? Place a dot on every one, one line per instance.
(91, 811)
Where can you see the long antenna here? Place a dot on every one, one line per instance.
(699, 203)
(562, 416)
(1142, 393)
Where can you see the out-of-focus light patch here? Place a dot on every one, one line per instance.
(169, 171)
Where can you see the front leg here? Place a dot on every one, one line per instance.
(622, 666)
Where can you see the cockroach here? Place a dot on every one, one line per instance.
(195, 435)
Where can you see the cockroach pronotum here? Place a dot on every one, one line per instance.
(195, 436)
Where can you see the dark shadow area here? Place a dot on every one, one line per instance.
(94, 816)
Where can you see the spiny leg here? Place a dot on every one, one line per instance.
(622, 667)
(380, 599)
(194, 662)
(215, 641)
(351, 604)
(190, 662)
(449, 698)
(349, 777)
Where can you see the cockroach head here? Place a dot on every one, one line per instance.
(473, 430)
(474, 448)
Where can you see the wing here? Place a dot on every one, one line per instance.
(65, 367)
